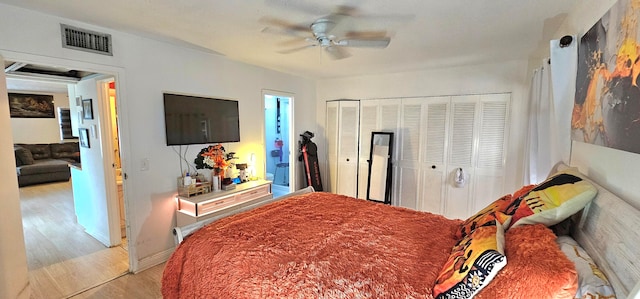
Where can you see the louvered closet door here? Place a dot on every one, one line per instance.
(390, 122)
(434, 154)
(460, 154)
(348, 116)
(369, 119)
(492, 141)
(332, 146)
(411, 129)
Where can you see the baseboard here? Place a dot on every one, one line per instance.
(153, 260)
(100, 237)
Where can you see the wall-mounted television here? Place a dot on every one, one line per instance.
(200, 120)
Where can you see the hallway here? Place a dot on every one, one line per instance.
(62, 259)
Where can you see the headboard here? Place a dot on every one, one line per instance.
(609, 230)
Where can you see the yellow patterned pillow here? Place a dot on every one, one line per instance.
(501, 209)
(552, 201)
(473, 263)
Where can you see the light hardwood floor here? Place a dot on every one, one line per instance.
(145, 284)
(64, 261)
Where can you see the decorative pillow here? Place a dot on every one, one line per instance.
(38, 151)
(23, 156)
(592, 283)
(473, 263)
(499, 209)
(552, 201)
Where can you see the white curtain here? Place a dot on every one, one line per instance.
(538, 159)
(564, 69)
(551, 97)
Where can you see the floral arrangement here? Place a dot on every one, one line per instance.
(212, 157)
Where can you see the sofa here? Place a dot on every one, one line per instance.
(43, 163)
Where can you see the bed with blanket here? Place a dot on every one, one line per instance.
(322, 245)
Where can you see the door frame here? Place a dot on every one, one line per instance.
(118, 74)
(293, 179)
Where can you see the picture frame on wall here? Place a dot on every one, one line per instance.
(84, 138)
(26, 105)
(87, 109)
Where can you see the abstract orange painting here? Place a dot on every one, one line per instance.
(607, 104)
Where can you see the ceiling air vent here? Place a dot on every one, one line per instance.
(86, 40)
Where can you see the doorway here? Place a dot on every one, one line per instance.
(279, 152)
(63, 258)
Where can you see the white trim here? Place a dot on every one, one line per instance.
(119, 74)
(152, 260)
(292, 146)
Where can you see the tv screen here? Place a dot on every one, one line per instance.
(200, 120)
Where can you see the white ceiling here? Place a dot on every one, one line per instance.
(424, 33)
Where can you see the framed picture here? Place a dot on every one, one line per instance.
(25, 105)
(84, 137)
(87, 109)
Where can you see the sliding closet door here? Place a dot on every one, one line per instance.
(380, 116)
(411, 131)
(343, 118)
(460, 155)
(369, 119)
(433, 163)
(492, 141)
(332, 146)
(390, 122)
(477, 143)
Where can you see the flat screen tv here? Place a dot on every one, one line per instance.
(200, 120)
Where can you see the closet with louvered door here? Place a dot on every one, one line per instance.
(342, 153)
(421, 161)
(434, 138)
(477, 145)
(380, 116)
(440, 135)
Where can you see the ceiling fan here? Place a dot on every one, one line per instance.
(329, 33)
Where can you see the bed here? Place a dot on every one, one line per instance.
(322, 245)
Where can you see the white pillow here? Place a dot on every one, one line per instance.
(592, 283)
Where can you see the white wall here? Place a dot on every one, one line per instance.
(39, 130)
(614, 169)
(508, 76)
(144, 69)
(14, 280)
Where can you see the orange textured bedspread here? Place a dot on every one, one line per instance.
(317, 245)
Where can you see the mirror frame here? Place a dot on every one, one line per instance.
(387, 180)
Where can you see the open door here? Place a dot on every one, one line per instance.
(280, 143)
(94, 185)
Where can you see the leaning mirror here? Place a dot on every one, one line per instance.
(379, 179)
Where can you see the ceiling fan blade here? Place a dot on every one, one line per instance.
(289, 51)
(377, 34)
(287, 32)
(284, 24)
(297, 42)
(364, 43)
(337, 52)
